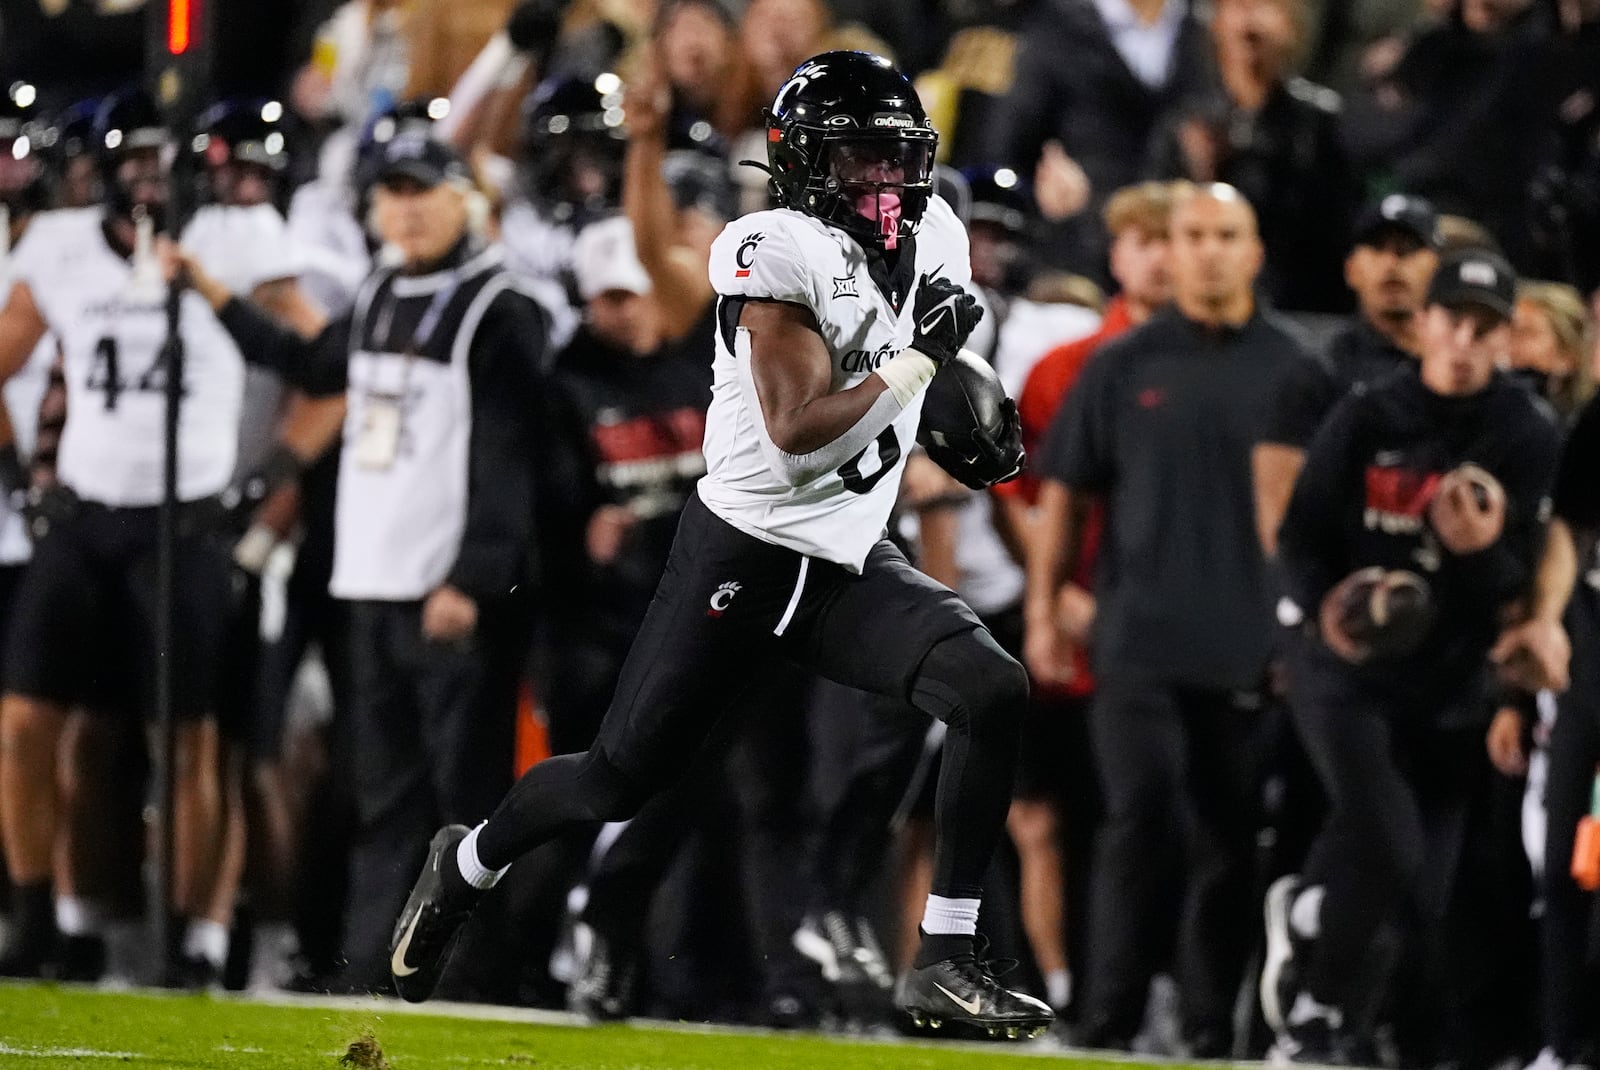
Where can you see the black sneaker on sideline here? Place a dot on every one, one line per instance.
(30, 954)
(1285, 955)
(603, 989)
(427, 927)
(83, 959)
(961, 991)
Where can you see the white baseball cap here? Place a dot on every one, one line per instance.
(604, 258)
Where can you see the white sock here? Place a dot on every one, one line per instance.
(472, 870)
(956, 917)
(207, 940)
(76, 917)
(1305, 913)
(1058, 988)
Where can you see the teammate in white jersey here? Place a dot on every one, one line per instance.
(834, 313)
(85, 615)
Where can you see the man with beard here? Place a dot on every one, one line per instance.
(1389, 269)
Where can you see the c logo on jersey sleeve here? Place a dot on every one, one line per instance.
(746, 256)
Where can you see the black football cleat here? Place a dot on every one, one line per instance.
(1285, 955)
(603, 989)
(427, 927)
(961, 992)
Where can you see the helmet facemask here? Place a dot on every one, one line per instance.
(877, 187)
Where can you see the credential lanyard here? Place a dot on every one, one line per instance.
(423, 333)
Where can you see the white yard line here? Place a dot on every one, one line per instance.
(66, 1053)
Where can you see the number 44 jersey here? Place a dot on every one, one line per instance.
(864, 311)
(111, 333)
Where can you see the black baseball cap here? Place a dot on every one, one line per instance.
(1474, 277)
(413, 154)
(1399, 211)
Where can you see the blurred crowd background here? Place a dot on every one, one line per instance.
(603, 141)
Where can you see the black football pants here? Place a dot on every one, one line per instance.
(727, 606)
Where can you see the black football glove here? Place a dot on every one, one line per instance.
(236, 506)
(945, 315)
(978, 459)
(47, 508)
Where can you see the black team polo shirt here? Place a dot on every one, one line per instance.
(1161, 425)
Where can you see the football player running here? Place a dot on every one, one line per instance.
(834, 312)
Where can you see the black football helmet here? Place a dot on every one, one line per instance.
(573, 140)
(243, 147)
(26, 137)
(129, 122)
(845, 128)
(246, 131)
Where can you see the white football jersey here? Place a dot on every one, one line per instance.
(536, 246)
(784, 255)
(24, 392)
(244, 247)
(111, 337)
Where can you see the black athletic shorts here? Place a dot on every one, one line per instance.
(83, 629)
(729, 604)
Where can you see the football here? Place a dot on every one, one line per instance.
(969, 425)
(1386, 612)
(965, 394)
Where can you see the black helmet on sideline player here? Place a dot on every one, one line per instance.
(26, 138)
(849, 143)
(134, 149)
(244, 146)
(573, 141)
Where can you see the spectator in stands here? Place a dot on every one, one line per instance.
(1389, 269)
(1480, 78)
(434, 514)
(1552, 343)
(1275, 137)
(360, 64)
(1093, 82)
(1353, 41)
(696, 50)
(445, 37)
(1159, 427)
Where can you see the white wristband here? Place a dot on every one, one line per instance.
(906, 373)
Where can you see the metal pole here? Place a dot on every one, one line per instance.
(166, 586)
(178, 58)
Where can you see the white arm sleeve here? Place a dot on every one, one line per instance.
(798, 469)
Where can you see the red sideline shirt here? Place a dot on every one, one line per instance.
(1045, 392)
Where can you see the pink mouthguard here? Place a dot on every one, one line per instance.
(885, 208)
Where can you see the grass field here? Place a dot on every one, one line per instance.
(44, 1027)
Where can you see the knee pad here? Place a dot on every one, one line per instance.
(971, 684)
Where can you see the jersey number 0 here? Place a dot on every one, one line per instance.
(888, 445)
